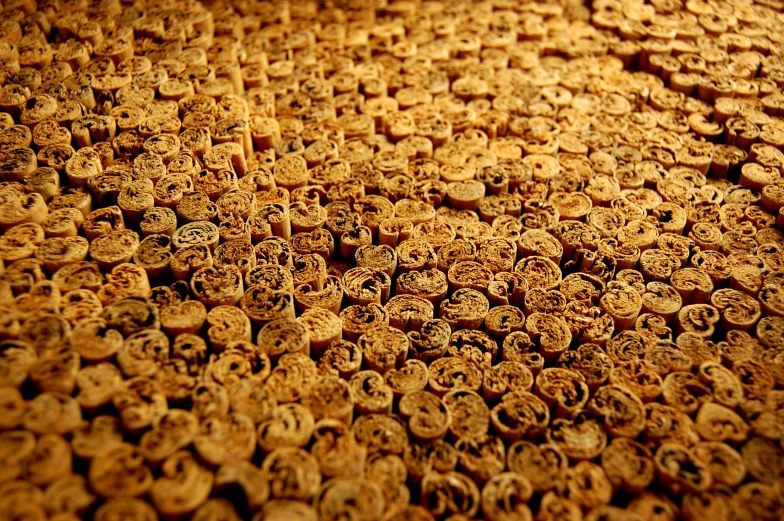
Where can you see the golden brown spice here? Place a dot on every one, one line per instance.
(398, 260)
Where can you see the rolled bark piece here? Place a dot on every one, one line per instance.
(481, 457)
(412, 376)
(665, 424)
(562, 389)
(306, 218)
(394, 443)
(140, 403)
(554, 507)
(714, 264)
(396, 187)
(134, 507)
(389, 474)
(591, 362)
(503, 320)
(726, 465)
(175, 430)
(17, 446)
(49, 460)
(540, 243)
(170, 189)
(19, 209)
(506, 376)
(539, 272)
(467, 308)
(415, 255)
(469, 274)
(621, 410)
(767, 330)
(120, 472)
(371, 393)
(422, 458)
(331, 397)
(476, 232)
(358, 319)
(473, 345)
(456, 251)
(249, 397)
(455, 493)
(538, 300)
(408, 312)
(699, 319)
(718, 423)
(20, 162)
(18, 358)
(218, 286)
(395, 230)
(330, 297)
(58, 252)
(383, 348)
(587, 485)
(223, 439)
(622, 303)
(670, 460)
(381, 258)
(143, 352)
(338, 454)
(287, 460)
(665, 357)
(190, 259)
(160, 220)
(293, 377)
(639, 378)
(628, 465)
(227, 324)
(72, 487)
(429, 284)
(507, 289)
(437, 234)
(271, 219)
(764, 505)
(520, 415)
(52, 412)
(343, 358)
(518, 347)
(318, 241)
(738, 309)
(693, 285)
(428, 417)
(366, 286)
(338, 495)
(563, 433)
(287, 425)
(551, 332)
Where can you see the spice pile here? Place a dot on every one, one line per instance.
(403, 261)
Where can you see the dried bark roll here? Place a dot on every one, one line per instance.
(120, 472)
(670, 460)
(227, 324)
(466, 308)
(520, 415)
(292, 378)
(427, 415)
(451, 493)
(543, 465)
(331, 397)
(564, 433)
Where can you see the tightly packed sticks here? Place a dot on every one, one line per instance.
(391, 260)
